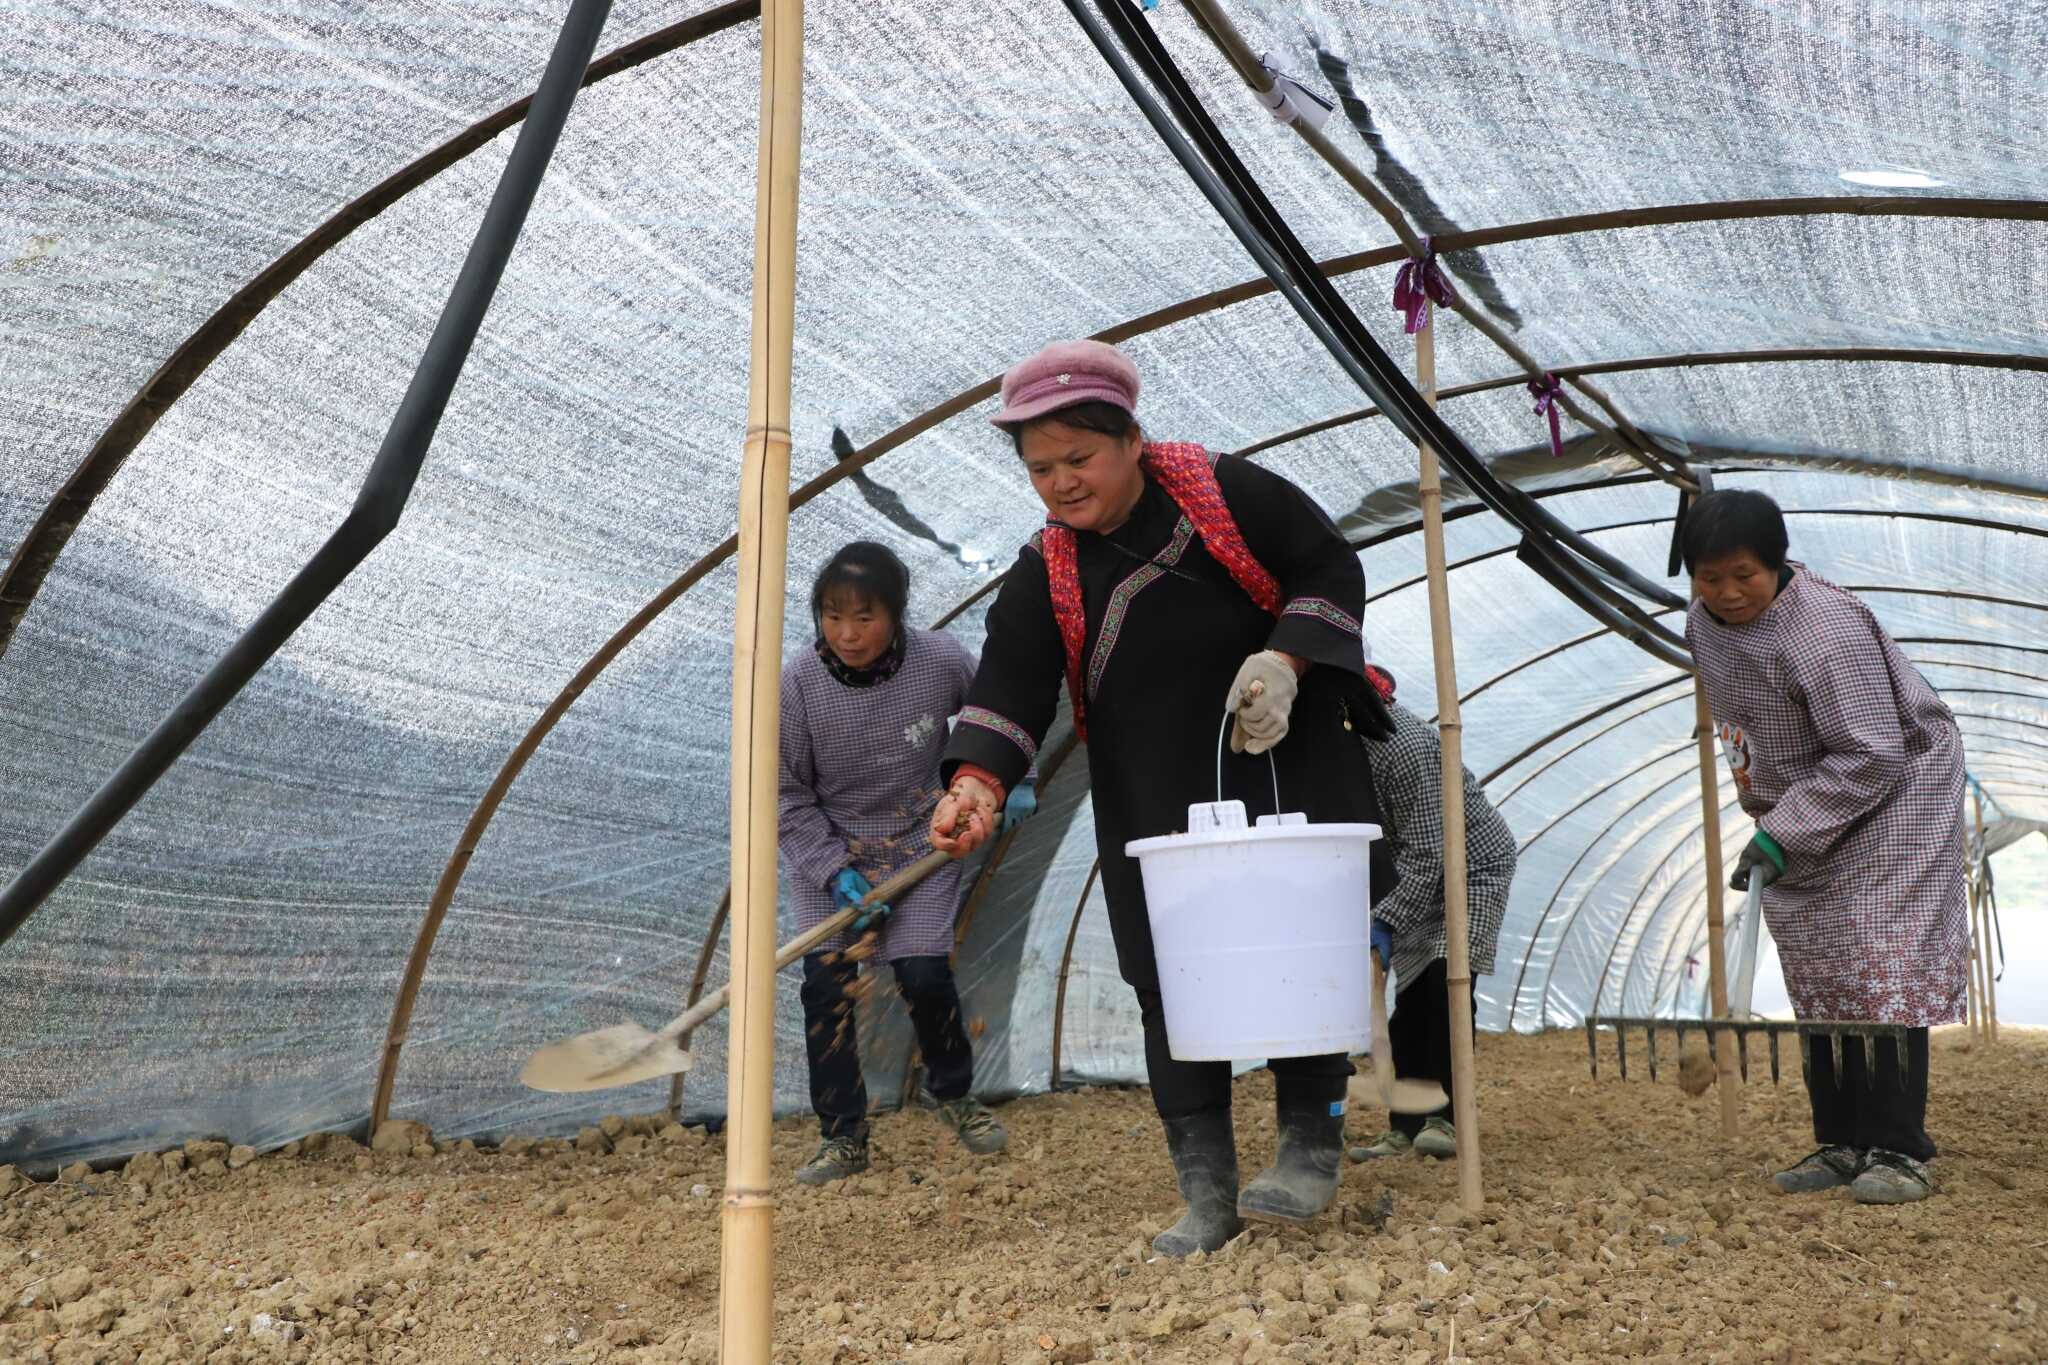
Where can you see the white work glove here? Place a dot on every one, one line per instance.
(1262, 696)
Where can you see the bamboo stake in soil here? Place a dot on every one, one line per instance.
(746, 1317)
(1457, 943)
(1717, 950)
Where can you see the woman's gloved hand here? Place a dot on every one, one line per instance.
(1760, 858)
(1382, 942)
(1262, 696)
(1022, 805)
(849, 890)
(966, 816)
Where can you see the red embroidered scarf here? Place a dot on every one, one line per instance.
(1187, 473)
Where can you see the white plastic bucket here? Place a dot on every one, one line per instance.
(1262, 935)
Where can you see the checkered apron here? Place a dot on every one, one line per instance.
(1845, 756)
(860, 775)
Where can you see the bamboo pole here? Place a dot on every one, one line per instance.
(1457, 943)
(1726, 1080)
(746, 1314)
(1981, 926)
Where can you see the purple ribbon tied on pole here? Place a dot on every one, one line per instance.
(1546, 392)
(1419, 283)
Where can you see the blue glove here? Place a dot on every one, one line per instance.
(1022, 805)
(1383, 942)
(849, 889)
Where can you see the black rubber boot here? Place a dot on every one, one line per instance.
(1303, 1177)
(1205, 1164)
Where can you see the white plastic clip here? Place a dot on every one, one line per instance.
(1205, 816)
(1292, 817)
(1289, 99)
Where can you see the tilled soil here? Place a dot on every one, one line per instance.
(1619, 1225)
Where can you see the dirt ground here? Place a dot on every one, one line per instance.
(1619, 1226)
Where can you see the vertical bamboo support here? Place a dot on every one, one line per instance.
(1725, 1078)
(1457, 943)
(1981, 923)
(746, 1317)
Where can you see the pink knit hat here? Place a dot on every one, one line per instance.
(1066, 373)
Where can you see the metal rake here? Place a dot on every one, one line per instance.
(1807, 1030)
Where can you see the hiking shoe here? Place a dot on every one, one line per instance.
(1393, 1142)
(837, 1159)
(980, 1131)
(1891, 1178)
(1437, 1138)
(1827, 1169)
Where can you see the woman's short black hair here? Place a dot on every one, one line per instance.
(1730, 521)
(867, 572)
(1094, 415)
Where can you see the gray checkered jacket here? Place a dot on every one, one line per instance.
(1408, 771)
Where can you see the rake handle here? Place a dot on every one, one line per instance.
(690, 1019)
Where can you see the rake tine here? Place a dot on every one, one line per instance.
(1713, 1049)
(1869, 1062)
(1806, 1057)
(1773, 1035)
(1621, 1045)
(1592, 1048)
(1652, 1039)
(1835, 1047)
(1742, 1053)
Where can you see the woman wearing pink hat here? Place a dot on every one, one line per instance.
(1167, 583)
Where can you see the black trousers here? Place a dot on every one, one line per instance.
(1183, 1088)
(838, 1092)
(1857, 1107)
(1419, 1032)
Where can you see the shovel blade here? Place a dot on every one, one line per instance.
(1416, 1097)
(619, 1055)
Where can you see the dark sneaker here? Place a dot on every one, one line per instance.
(981, 1132)
(1892, 1178)
(1437, 1138)
(837, 1159)
(1393, 1142)
(1827, 1169)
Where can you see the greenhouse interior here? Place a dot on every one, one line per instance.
(455, 816)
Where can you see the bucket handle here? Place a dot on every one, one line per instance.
(1223, 735)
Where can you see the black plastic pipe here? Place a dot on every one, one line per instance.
(378, 505)
(1294, 274)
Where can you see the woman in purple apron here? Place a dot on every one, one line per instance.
(864, 715)
(1852, 768)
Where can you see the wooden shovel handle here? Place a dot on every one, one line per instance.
(1382, 1046)
(803, 943)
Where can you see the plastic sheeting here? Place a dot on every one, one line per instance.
(226, 962)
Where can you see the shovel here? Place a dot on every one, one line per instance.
(1395, 1095)
(625, 1053)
